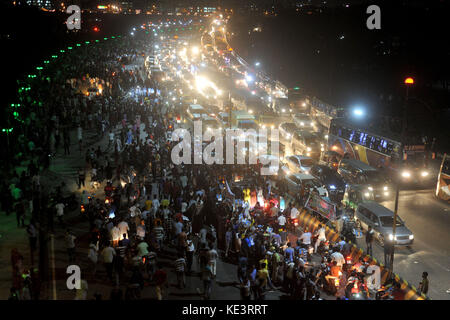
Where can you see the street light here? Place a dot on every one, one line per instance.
(409, 81)
(257, 64)
(358, 112)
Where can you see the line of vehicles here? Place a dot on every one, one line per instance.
(322, 150)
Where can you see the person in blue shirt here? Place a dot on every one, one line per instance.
(289, 253)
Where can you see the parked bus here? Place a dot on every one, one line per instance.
(380, 150)
(443, 183)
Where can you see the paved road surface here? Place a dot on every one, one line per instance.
(429, 220)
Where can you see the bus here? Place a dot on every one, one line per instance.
(380, 150)
(323, 113)
(443, 183)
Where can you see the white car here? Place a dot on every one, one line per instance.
(297, 164)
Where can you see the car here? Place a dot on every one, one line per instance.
(331, 179)
(303, 121)
(297, 164)
(381, 219)
(303, 142)
(297, 180)
(287, 130)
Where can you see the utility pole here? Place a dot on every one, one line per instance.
(408, 81)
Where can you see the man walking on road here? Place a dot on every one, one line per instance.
(423, 286)
(70, 243)
(369, 240)
(388, 247)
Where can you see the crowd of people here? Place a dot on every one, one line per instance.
(141, 208)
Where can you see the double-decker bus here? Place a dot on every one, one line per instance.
(380, 150)
(443, 183)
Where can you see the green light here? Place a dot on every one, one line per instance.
(78, 45)
(15, 114)
(296, 88)
(182, 29)
(87, 42)
(54, 56)
(105, 38)
(39, 68)
(70, 48)
(62, 51)
(46, 61)
(97, 40)
(7, 130)
(176, 29)
(113, 37)
(146, 32)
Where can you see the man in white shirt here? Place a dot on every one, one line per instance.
(294, 213)
(60, 212)
(124, 228)
(108, 254)
(339, 258)
(306, 237)
(321, 237)
(281, 221)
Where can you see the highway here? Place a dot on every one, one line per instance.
(427, 217)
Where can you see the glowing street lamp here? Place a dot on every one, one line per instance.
(409, 81)
(358, 112)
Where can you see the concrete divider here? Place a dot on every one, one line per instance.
(306, 220)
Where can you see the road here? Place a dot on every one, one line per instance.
(429, 220)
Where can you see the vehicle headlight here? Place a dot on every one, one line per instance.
(385, 188)
(391, 237)
(424, 173)
(322, 149)
(272, 127)
(302, 123)
(411, 237)
(288, 135)
(332, 187)
(283, 110)
(308, 149)
(406, 174)
(370, 188)
(367, 194)
(308, 154)
(321, 145)
(307, 172)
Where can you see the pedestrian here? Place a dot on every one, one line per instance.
(20, 214)
(388, 249)
(190, 253)
(423, 286)
(369, 240)
(180, 266)
(160, 278)
(32, 236)
(212, 259)
(60, 212)
(108, 254)
(81, 177)
(93, 258)
(207, 277)
(70, 244)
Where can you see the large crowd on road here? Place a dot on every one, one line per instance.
(140, 208)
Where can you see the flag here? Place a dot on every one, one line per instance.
(228, 188)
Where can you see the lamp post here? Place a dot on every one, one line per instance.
(408, 82)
